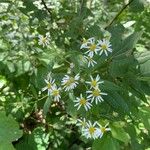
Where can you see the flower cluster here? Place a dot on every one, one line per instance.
(96, 47)
(90, 130)
(94, 94)
(69, 82)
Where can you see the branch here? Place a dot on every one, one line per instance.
(119, 13)
(45, 6)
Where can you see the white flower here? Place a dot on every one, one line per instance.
(44, 41)
(81, 101)
(92, 47)
(70, 83)
(95, 94)
(104, 47)
(81, 123)
(55, 92)
(85, 43)
(49, 81)
(90, 60)
(94, 82)
(90, 131)
(101, 130)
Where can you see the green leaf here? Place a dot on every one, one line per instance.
(117, 102)
(144, 114)
(38, 140)
(4, 145)
(47, 105)
(137, 6)
(144, 61)
(119, 133)
(105, 143)
(9, 129)
(71, 110)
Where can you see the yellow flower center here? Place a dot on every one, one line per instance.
(92, 130)
(44, 39)
(55, 92)
(82, 101)
(96, 92)
(93, 83)
(103, 129)
(49, 85)
(92, 47)
(104, 46)
(70, 81)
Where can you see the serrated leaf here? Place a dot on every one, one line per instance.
(117, 102)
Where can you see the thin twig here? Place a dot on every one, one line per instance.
(48, 10)
(119, 13)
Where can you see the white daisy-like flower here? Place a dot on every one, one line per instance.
(50, 82)
(81, 101)
(105, 46)
(101, 130)
(81, 122)
(91, 61)
(90, 131)
(92, 47)
(94, 83)
(44, 40)
(96, 95)
(85, 43)
(69, 82)
(55, 92)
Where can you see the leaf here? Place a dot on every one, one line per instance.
(117, 102)
(9, 130)
(38, 140)
(6, 146)
(108, 85)
(119, 133)
(71, 110)
(144, 60)
(47, 105)
(137, 6)
(105, 143)
(144, 114)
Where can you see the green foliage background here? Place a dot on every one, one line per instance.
(24, 65)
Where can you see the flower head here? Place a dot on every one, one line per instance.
(69, 82)
(81, 101)
(44, 40)
(91, 61)
(55, 92)
(90, 131)
(96, 95)
(92, 47)
(101, 130)
(104, 46)
(94, 83)
(50, 82)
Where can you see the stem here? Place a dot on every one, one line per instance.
(48, 10)
(119, 13)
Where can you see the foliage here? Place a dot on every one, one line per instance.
(24, 64)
